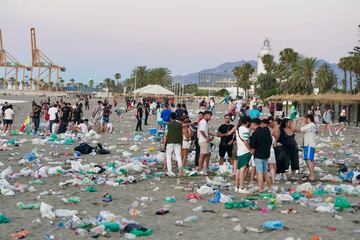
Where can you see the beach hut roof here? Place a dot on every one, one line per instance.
(153, 90)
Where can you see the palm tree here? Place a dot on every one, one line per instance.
(288, 62)
(269, 63)
(326, 78)
(72, 84)
(302, 77)
(243, 74)
(160, 76)
(139, 76)
(117, 76)
(343, 66)
(12, 82)
(80, 86)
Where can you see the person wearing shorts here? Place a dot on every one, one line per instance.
(309, 130)
(243, 154)
(260, 143)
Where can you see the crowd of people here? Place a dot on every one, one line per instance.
(255, 143)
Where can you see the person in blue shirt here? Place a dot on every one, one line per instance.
(254, 113)
(165, 115)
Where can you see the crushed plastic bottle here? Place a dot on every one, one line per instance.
(273, 225)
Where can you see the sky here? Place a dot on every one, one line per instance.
(97, 38)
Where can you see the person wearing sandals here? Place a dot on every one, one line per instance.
(309, 130)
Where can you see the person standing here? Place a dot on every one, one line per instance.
(179, 112)
(260, 143)
(279, 109)
(309, 130)
(186, 140)
(226, 142)
(204, 142)
(78, 113)
(254, 112)
(8, 117)
(294, 113)
(173, 140)
(96, 115)
(3, 108)
(36, 114)
(165, 115)
(53, 115)
(65, 118)
(342, 121)
(327, 120)
(194, 139)
(86, 102)
(147, 113)
(275, 134)
(287, 139)
(139, 116)
(317, 115)
(272, 108)
(243, 154)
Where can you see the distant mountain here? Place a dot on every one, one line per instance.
(226, 69)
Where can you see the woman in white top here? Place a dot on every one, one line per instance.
(186, 141)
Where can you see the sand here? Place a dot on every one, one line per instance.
(209, 226)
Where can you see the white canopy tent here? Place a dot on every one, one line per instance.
(156, 90)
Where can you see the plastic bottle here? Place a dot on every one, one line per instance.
(162, 211)
(198, 209)
(190, 219)
(169, 199)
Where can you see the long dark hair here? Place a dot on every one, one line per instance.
(284, 122)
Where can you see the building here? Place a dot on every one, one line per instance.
(216, 81)
(266, 49)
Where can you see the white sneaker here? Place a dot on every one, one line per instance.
(236, 190)
(171, 174)
(243, 191)
(203, 173)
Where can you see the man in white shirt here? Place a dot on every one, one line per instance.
(53, 110)
(204, 141)
(8, 118)
(309, 130)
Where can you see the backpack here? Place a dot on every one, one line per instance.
(84, 148)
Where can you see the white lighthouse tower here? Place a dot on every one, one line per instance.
(266, 49)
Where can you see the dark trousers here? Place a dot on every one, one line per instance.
(51, 124)
(87, 106)
(146, 119)
(63, 126)
(138, 125)
(197, 153)
(36, 124)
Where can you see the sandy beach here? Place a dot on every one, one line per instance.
(218, 224)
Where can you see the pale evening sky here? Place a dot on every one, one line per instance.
(96, 38)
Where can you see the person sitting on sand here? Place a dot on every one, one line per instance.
(83, 127)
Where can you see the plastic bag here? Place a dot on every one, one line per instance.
(341, 203)
(46, 211)
(273, 225)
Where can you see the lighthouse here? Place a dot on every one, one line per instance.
(266, 49)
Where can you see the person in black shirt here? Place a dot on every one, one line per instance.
(36, 117)
(65, 117)
(183, 106)
(179, 112)
(147, 113)
(194, 139)
(260, 143)
(226, 143)
(139, 116)
(4, 108)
